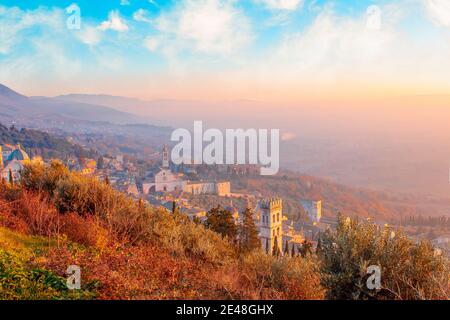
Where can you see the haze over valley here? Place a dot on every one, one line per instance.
(375, 145)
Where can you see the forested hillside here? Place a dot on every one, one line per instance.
(39, 143)
(338, 198)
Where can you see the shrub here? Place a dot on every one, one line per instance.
(9, 192)
(222, 222)
(9, 220)
(87, 231)
(108, 211)
(37, 177)
(86, 196)
(129, 220)
(408, 270)
(182, 236)
(262, 276)
(40, 216)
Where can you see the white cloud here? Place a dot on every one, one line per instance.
(333, 43)
(124, 2)
(152, 43)
(114, 22)
(89, 35)
(34, 46)
(438, 11)
(352, 54)
(206, 26)
(141, 15)
(288, 5)
(13, 21)
(281, 9)
(374, 17)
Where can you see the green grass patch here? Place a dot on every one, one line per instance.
(22, 280)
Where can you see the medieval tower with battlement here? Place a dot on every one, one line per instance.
(271, 224)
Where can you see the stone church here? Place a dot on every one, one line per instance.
(12, 160)
(167, 181)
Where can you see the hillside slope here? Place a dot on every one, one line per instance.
(16, 108)
(338, 198)
(129, 251)
(39, 143)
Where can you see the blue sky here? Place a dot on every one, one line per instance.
(160, 49)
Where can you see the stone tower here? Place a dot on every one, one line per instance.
(165, 155)
(271, 224)
(313, 209)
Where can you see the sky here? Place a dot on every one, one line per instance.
(264, 50)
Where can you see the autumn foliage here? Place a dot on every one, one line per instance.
(127, 250)
(53, 218)
(409, 270)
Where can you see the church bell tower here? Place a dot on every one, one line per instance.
(165, 156)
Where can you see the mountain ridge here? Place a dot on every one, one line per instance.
(8, 92)
(15, 107)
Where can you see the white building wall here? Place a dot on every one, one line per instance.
(313, 209)
(16, 167)
(166, 181)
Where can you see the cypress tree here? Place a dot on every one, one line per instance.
(11, 177)
(175, 209)
(107, 180)
(248, 234)
(308, 248)
(100, 163)
(319, 244)
(293, 250)
(276, 250)
(286, 248)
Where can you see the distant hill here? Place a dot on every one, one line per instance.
(167, 111)
(7, 93)
(17, 108)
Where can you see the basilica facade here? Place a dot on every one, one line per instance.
(165, 180)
